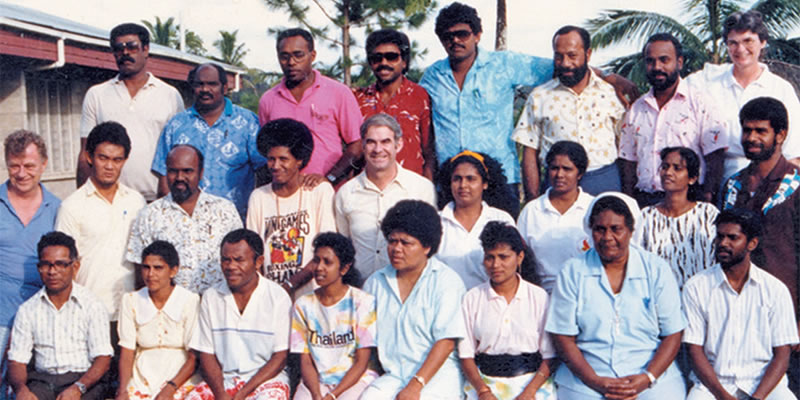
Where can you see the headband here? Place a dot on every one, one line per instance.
(472, 154)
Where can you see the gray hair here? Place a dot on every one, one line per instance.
(19, 140)
(382, 119)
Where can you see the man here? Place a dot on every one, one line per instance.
(361, 202)
(388, 55)
(672, 113)
(327, 107)
(223, 132)
(741, 320)
(65, 326)
(189, 218)
(27, 211)
(242, 338)
(99, 216)
(576, 105)
(136, 99)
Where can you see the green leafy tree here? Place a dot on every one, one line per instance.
(231, 52)
(167, 33)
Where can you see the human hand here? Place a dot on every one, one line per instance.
(122, 393)
(310, 181)
(70, 393)
(614, 388)
(25, 394)
(410, 392)
(487, 395)
(526, 395)
(166, 393)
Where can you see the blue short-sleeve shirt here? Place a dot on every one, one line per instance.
(617, 334)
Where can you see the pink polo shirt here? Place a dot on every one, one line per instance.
(688, 119)
(328, 108)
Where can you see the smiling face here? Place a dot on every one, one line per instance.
(674, 174)
(328, 269)
(380, 148)
(240, 266)
(563, 175)
(207, 89)
(467, 185)
(25, 170)
(156, 273)
(386, 63)
(460, 42)
(295, 59)
(106, 163)
(611, 236)
(744, 48)
(130, 55)
(282, 165)
(502, 263)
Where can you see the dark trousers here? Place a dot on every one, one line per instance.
(794, 373)
(47, 387)
(645, 199)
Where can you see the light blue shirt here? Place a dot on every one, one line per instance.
(19, 278)
(480, 116)
(229, 148)
(617, 334)
(407, 331)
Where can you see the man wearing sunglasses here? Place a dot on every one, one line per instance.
(136, 99)
(388, 54)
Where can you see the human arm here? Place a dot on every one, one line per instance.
(571, 355)
(626, 90)
(18, 379)
(705, 372)
(89, 119)
(96, 371)
(665, 354)
(627, 175)
(310, 376)
(352, 152)
(473, 375)
(544, 371)
(212, 374)
(125, 372)
(83, 170)
(427, 141)
(713, 178)
(187, 370)
(530, 172)
(776, 369)
(433, 361)
(272, 368)
(355, 372)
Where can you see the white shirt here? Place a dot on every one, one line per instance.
(730, 96)
(359, 207)
(738, 330)
(143, 117)
(460, 249)
(244, 342)
(63, 340)
(553, 237)
(100, 229)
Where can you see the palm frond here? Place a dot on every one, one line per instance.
(781, 17)
(620, 26)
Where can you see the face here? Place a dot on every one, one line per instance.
(106, 163)
(731, 244)
(328, 269)
(156, 273)
(460, 42)
(674, 175)
(282, 164)
(183, 173)
(57, 269)
(611, 236)
(207, 89)
(662, 65)
(406, 253)
(295, 59)
(387, 63)
(759, 140)
(744, 48)
(25, 169)
(502, 263)
(570, 59)
(467, 185)
(380, 148)
(130, 54)
(239, 265)
(563, 175)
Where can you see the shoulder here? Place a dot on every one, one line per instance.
(332, 84)
(544, 90)
(323, 191)
(496, 214)
(707, 210)
(533, 291)
(185, 296)
(28, 307)
(361, 296)
(701, 280)
(413, 180)
(88, 300)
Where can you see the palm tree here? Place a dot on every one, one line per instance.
(164, 33)
(230, 52)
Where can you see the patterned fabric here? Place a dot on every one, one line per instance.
(411, 107)
(592, 118)
(510, 388)
(688, 119)
(197, 237)
(685, 241)
(228, 147)
(269, 390)
(332, 334)
(479, 116)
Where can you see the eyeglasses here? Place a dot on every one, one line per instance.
(58, 265)
(132, 47)
(461, 34)
(375, 58)
(296, 56)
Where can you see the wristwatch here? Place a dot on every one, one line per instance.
(331, 177)
(80, 386)
(651, 377)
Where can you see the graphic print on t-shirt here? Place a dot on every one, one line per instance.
(285, 236)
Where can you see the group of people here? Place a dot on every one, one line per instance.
(389, 256)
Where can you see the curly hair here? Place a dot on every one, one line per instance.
(496, 233)
(491, 172)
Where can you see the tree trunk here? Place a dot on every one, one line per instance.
(500, 40)
(346, 42)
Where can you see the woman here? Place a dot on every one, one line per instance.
(418, 301)
(472, 185)
(552, 224)
(333, 329)
(506, 353)
(680, 229)
(156, 324)
(615, 314)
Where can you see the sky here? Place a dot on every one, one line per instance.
(531, 23)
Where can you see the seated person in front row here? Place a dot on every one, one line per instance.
(333, 329)
(741, 320)
(242, 337)
(65, 326)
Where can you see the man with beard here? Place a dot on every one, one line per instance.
(225, 133)
(388, 55)
(672, 113)
(136, 99)
(190, 219)
(740, 319)
(577, 106)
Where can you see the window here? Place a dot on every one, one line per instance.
(54, 114)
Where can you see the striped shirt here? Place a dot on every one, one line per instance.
(63, 340)
(738, 330)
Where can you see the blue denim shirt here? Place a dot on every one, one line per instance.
(480, 116)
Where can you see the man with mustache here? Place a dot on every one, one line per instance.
(189, 218)
(577, 106)
(136, 99)
(388, 55)
(225, 133)
(672, 113)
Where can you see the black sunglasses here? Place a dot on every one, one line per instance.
(460, 34)
(375, 58)
(132, 47)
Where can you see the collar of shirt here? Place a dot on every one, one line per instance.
(681, 93)
(173, 308)
(721, 280)
(48, 198)
(227, 296)
(634, 269)
(202, 200)
(77, 295)
(390, 275)
(227, 112)
(775, 175)
(151, 80)
(581, 202)
(89, 189)
(491, 294)
(594, 82)
(405, 87)
(730, 81)
(448, 213)
(398, 179)
(286, 93)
